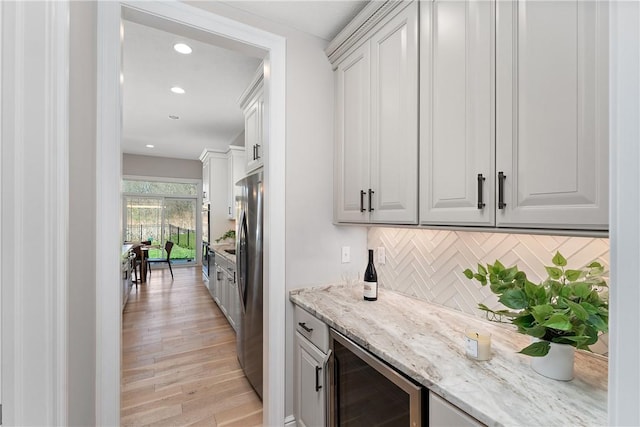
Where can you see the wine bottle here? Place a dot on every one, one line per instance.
(370, 280)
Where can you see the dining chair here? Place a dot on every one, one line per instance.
(167, 247)
(137, 264)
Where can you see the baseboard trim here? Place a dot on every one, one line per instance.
(290, 421)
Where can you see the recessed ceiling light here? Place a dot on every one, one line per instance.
(149, 145)
(172, 117)
(177, 89)
(182, 48)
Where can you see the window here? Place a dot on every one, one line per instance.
(161, 211)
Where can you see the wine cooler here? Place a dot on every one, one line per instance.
(364, 391)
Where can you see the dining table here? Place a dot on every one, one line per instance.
(144, 249)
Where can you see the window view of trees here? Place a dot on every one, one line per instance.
(158, 217)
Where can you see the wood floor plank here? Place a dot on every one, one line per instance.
(179, 361)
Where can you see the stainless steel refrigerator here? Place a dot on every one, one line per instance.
(249, 265)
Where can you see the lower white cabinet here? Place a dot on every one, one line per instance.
(310, 384)
(310, 376)
(225, 290)
(444, 414)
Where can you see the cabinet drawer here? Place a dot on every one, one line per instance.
(312, 328)
(444, 414)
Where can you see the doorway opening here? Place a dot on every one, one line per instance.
(187, 18)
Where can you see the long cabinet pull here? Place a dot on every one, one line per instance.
(257, 151)
(370, 196)
(318, 386)
(304, 326)
(501, 178)
(481, 179)
(362, 193)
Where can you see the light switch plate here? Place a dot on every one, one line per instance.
(346, 254)
(382, 256)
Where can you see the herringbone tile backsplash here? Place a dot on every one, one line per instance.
(428, 264)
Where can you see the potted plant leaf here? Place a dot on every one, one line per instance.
(567, 310)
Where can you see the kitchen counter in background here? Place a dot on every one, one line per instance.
(426, 343)
(219, 249)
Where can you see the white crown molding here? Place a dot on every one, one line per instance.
(211, 152)
(35, 120)
(254, 86)
(353, 34)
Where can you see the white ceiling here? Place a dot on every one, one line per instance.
(323, 19)
(213, 77)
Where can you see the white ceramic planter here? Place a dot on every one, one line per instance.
(558, 364)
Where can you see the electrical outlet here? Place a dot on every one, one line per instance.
(382, 258)
(346, 254)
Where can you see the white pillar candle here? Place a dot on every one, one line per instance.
(478, 344)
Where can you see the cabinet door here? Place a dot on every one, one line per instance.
(457, 112)
(218, 286)
(352, 92)
(253, 128)
(253, 131)
(205, 181)
(552, 113)
(235, 305)
(309, 384)
(394, 119)
(444, 414)
(230, 305)
(236, 168)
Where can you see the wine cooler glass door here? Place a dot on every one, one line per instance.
(367, 392)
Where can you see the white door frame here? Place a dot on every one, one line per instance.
(108, 216)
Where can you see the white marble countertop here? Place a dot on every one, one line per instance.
(425, 342)
(126, 248)
(220, 250)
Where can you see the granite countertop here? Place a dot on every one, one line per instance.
(425, 342)
(126, 248)
(219, 249)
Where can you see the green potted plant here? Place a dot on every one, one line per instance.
(568, 308)
(229, 234)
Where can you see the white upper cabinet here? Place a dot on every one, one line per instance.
(205, 180)
(252, 105)
(457, 113)
(552, 114)
(235, 172)
(352, 135)
(546, 80)
(377, 124)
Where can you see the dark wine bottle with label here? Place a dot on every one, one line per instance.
(370, 280)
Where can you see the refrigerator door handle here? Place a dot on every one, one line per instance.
(242, 257)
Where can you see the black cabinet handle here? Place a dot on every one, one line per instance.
(362, 193)
(304, 326)
(254, 151)
(501, 178)
(257, 151)
(229, 210)
(370, 195)
(481, 179)
(318, 386)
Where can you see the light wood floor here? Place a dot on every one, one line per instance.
(179, 364)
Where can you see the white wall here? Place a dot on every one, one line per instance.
(82, 202)
(135, 164)
(238, 141)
